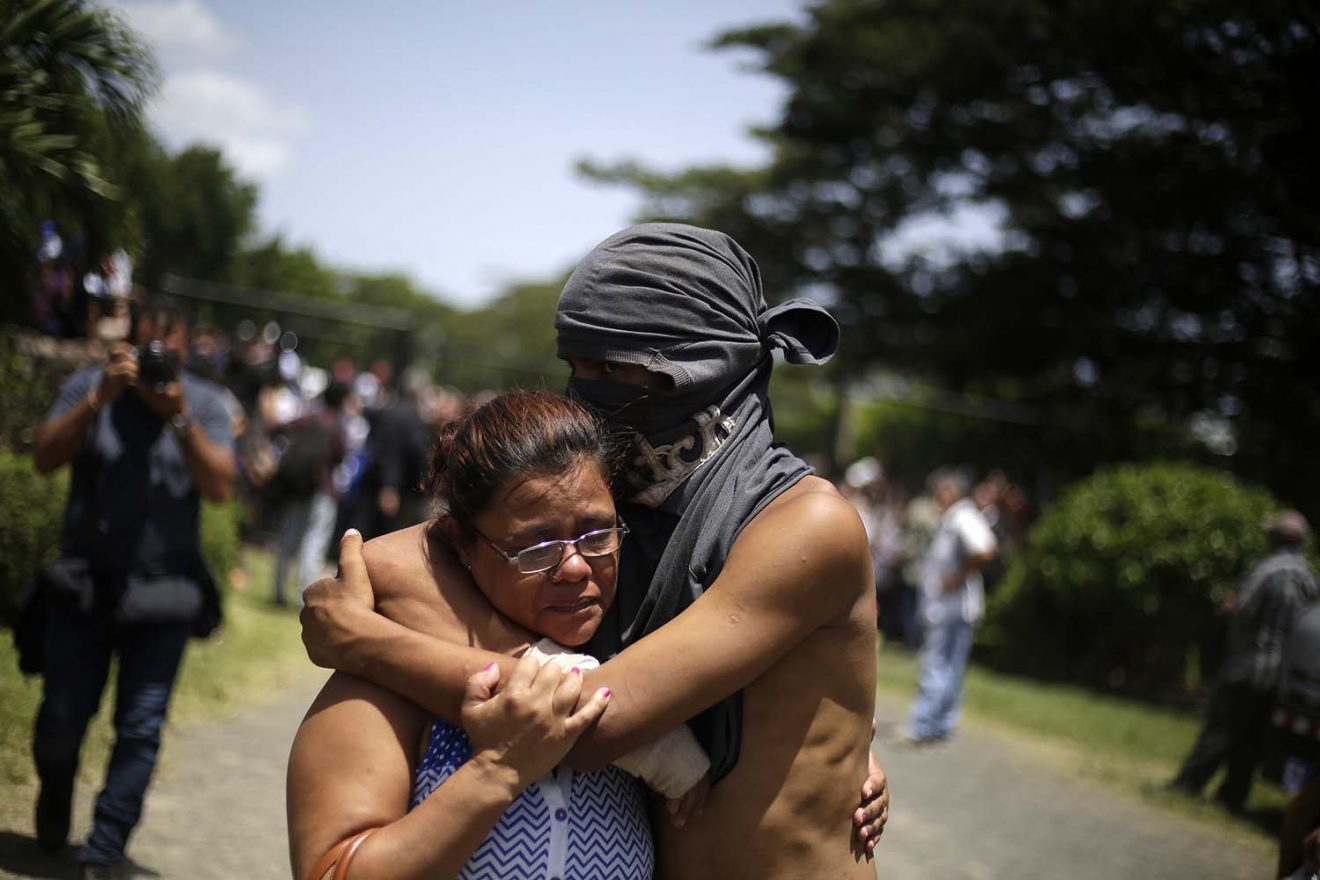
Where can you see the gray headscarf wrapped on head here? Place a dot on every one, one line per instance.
(686, 303)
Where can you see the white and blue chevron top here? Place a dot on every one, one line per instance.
(565, 826)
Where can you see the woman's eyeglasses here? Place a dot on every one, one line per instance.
(548, 554)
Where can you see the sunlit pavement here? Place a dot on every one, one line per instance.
(977, 807)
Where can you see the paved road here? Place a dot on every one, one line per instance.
(977, 808)
(216, 809)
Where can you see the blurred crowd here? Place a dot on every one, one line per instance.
(320, 448)
(78, 294)
(901, 528)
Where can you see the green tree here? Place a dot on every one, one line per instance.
(275, 266)
(508, 342)
(1148, 169)
(195, 213)
(69, 70)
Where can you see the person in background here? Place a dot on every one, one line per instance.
(896, 600)
(52, 286)
(147, 442)
(866, 487)
(921, 519)
(391, 496)
(1275, 593)
(303, 485)
(952, 603)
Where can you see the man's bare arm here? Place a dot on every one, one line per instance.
(801, 564)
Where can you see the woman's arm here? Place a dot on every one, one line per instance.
(353, 761)
(351, 768)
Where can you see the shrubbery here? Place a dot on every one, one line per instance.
(220, 538)
(31, 370)
(32, 510)
(1118, 583)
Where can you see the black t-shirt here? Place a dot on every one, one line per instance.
(133, 507)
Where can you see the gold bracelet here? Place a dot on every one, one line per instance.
(92, 401)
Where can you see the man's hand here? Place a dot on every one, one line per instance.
(1311, 849)
(331, 605)
(870, 818)
(121, 371)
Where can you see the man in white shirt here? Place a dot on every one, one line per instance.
(952, 603)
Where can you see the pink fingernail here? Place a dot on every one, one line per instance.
(575, 671)
(489, 666)
(605, 692)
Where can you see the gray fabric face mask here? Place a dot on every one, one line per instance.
(640, 409)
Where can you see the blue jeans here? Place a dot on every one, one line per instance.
(939, 693)
(307, 527)
(78, 649)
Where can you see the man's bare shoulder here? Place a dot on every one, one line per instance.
(812, 537)
(814, 509)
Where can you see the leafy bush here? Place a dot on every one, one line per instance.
(1118, 583)
(32, 510)
(31, 370)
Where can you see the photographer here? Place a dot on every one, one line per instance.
(146, 442)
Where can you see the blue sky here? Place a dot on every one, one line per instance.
(439, 138)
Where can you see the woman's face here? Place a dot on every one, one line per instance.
(567, 602)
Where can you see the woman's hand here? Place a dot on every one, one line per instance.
(870, 818)
(529, 724)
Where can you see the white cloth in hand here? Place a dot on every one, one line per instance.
(671, 764)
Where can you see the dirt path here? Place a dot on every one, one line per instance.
(976, 808)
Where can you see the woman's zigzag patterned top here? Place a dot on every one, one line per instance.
(565, 826)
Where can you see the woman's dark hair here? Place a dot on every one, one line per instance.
(520, 434)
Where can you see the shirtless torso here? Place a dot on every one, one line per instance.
(790, 620)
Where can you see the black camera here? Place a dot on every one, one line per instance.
(157, 365)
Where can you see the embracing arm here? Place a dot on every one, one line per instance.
(758, 611)
(797, 567)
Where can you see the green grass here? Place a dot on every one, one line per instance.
(1131, 746)
(256, 652)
